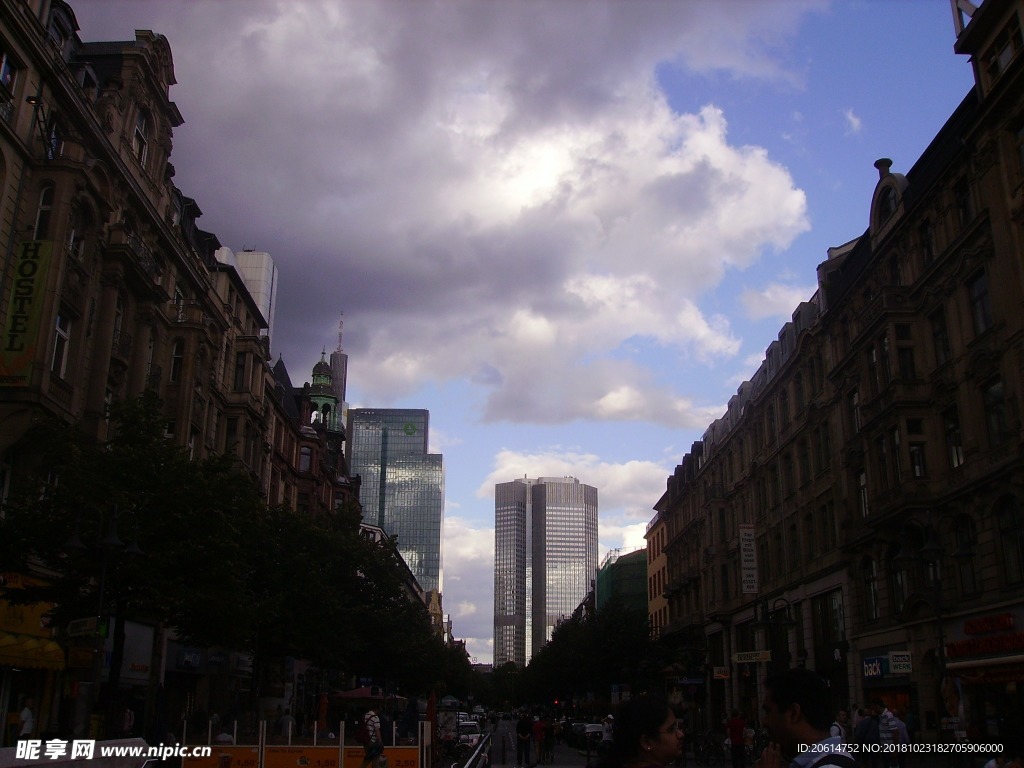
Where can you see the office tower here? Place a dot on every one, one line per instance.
(545, 555)
(402, 486)
(259, 273)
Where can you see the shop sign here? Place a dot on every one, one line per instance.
(749, 657)
(875, 667)
(720, 673)
(900, 663)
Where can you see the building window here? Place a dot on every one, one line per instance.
(8, 71)
(61, 345)
(981, 306)
(905, 363)
(1011, 534)
(862, 493)
(966, 538)
(926, 238)
(140, 139)
(897, 580)
(305, 459)
(940, 337)
(886, 204)
(44, 213)
(962, 202)
(882, 449)
(954, 438)
(917, 465)
(794, 545)
(995, 412)
(239, 372)
(177, 359)
(869, 567)
(828, 527)
(854, 405)
(1005, 48)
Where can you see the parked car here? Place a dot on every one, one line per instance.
(469, 733)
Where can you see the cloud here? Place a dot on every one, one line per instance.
(775, 300)
(489, 195)
(469, 583)
(853, 123)
(626, 491)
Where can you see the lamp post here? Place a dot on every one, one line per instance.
(772, 620)
(108, 546)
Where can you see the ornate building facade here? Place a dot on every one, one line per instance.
(858, 508)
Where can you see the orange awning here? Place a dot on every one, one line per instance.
(30, 652)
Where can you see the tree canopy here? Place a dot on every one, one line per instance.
(198, 550)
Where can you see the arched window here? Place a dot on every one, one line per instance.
(886, 204)
(44, 213)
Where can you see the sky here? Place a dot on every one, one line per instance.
(568, 228)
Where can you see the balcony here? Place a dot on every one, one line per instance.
(142, 258)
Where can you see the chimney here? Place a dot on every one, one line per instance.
(883, 166)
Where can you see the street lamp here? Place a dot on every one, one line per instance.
(778, 618)
(108, 545)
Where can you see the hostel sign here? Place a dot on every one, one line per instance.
(748, 560)
(25, 311)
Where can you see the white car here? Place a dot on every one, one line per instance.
(469, 733)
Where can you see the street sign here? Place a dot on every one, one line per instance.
(744, 657)
(83, 627)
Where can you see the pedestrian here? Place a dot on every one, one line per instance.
(645, 734)
(27, 720)
(127, 721)
(888, 732)
(538, 737)
(374, 745)
(839, 725)
(735, 729)
(865, 736)
(524, 732)
(797, 714)
(607, 734)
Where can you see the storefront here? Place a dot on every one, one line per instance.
(30, 662)
(886, 674)
(983, 690)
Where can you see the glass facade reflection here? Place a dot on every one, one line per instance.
(402, 486)
(545, 554)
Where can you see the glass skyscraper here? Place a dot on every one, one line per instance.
(402, 486)
(545, 555)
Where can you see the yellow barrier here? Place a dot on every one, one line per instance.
(398, 757)
(225, 756)
(306, 756)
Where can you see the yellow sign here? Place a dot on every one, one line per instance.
(227, 756)
(25, 312)
(301, 757)
(398, 757)
(747, 657)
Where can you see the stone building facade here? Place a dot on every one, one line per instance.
(858, 508)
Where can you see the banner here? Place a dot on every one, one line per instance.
(748, 560)
(21, 340)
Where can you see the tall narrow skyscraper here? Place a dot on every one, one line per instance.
(545, 554)
(402, 488)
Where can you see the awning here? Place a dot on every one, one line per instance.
(30, 652)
